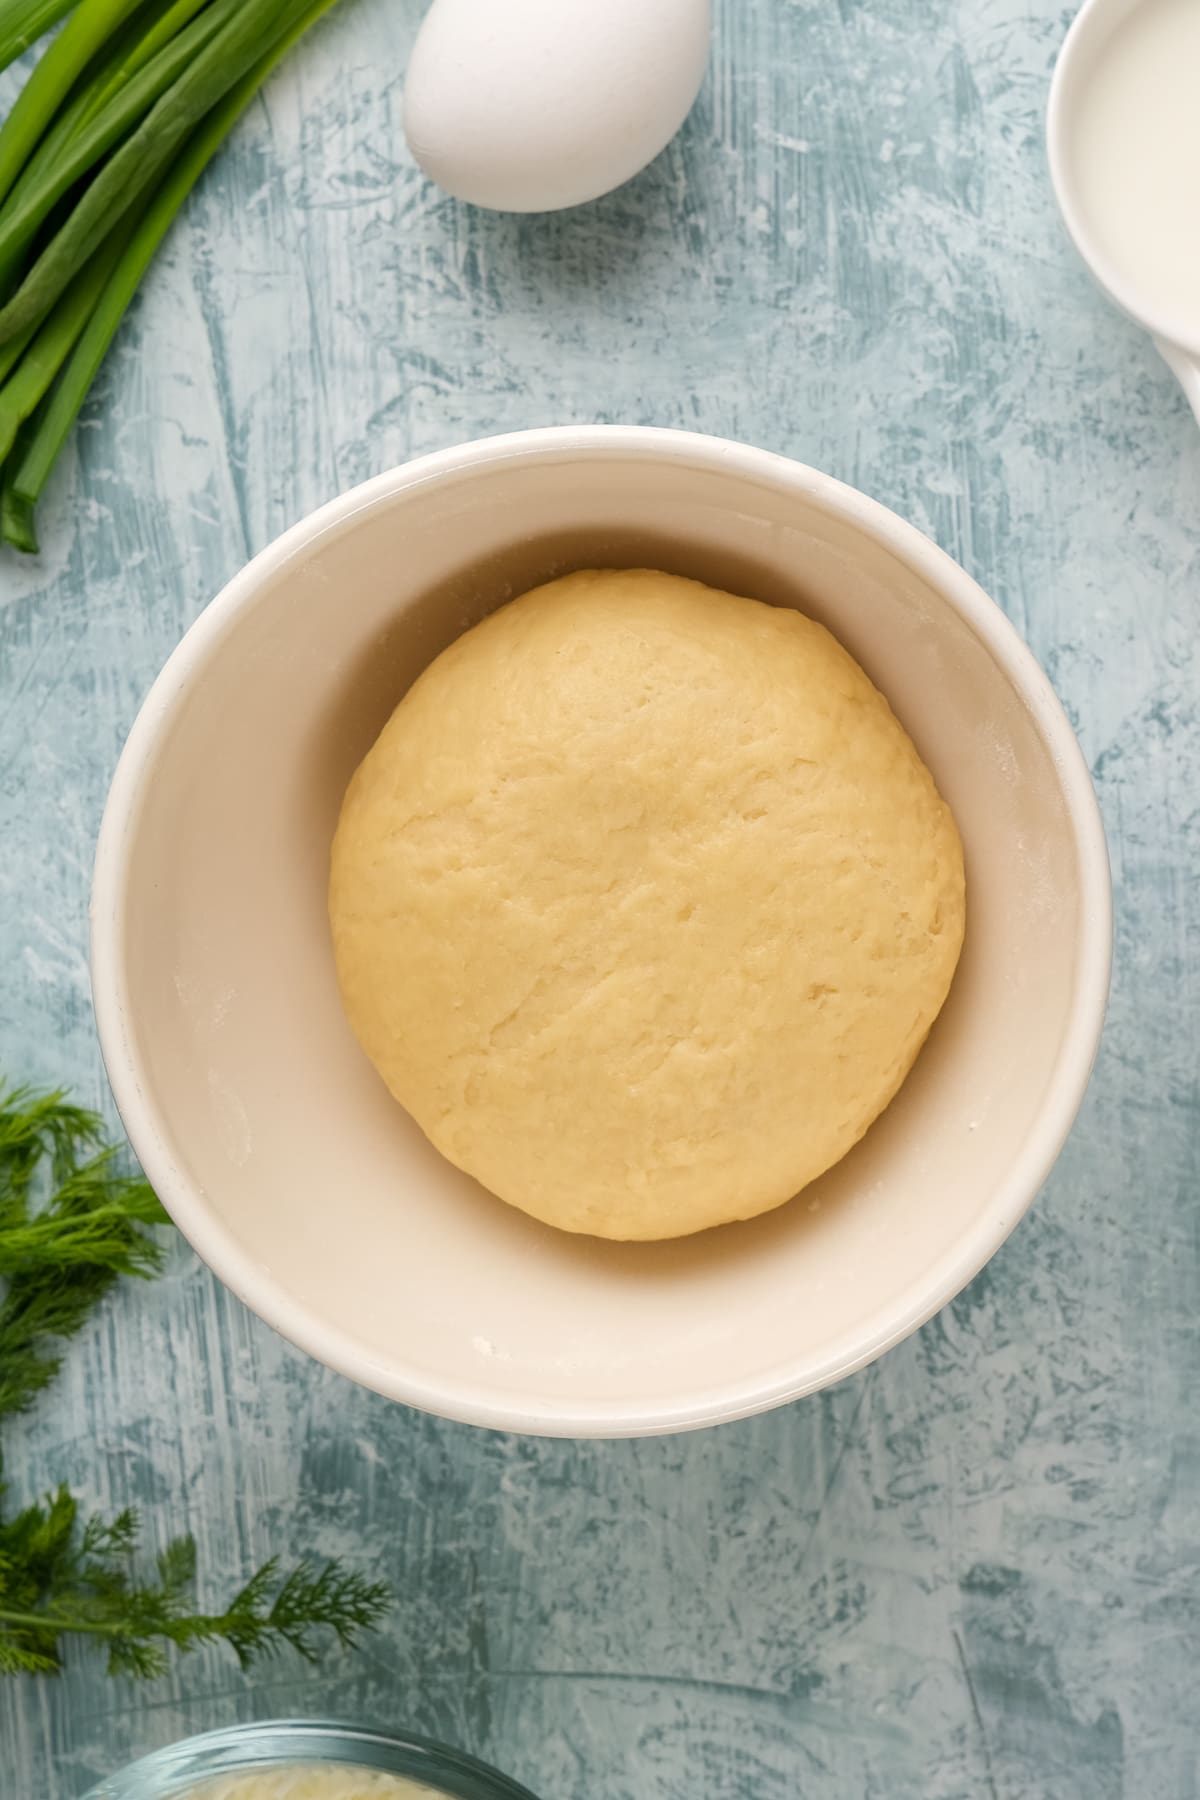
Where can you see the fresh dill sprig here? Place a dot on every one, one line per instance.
(71, 1224)
(59, 1578)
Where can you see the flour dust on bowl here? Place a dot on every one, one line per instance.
(265, 1130)
(307, 1759)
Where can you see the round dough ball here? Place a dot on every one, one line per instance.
(643, 903)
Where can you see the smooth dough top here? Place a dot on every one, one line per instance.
(643, 903)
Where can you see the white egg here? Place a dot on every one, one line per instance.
(531, 105)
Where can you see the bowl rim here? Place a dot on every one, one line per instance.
(170, 1772)
(1092, 21)
(790, 1379)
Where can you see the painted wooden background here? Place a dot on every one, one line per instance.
(975, 1569)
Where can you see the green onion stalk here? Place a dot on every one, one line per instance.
(143, 120)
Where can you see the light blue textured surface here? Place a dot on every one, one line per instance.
(975, 1569)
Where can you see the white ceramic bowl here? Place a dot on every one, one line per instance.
(269, 1137)
(1086, 43)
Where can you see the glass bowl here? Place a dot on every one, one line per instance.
(172, 1773)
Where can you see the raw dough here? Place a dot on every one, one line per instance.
(313, 1781)
(643, 903)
